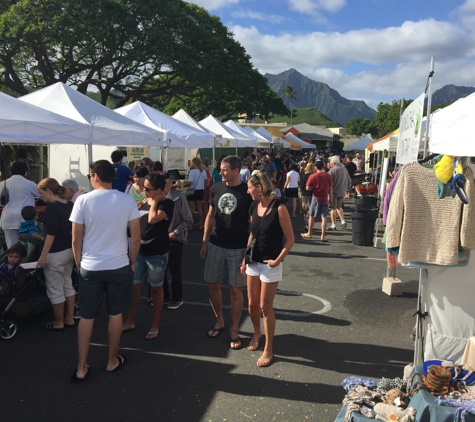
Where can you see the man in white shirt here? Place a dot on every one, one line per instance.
(100, 219)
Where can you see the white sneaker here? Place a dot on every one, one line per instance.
(175, 304)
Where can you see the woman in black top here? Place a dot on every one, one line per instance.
(57, 255)
(270, 223)
(156, 215)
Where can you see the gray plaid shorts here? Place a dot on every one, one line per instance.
(216, 260)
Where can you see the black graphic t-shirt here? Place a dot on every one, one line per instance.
(231, 215)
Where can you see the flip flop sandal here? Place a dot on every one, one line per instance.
(49, 326)
(74, 376)
(305, 236)
(122, 360)
(262, 363)
(152, 333)
(214, 330)
(236, 340)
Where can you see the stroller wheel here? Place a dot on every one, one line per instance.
(8, 329)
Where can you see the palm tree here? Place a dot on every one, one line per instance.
(290, 94)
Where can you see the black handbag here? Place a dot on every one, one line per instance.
(4, 197)
(248, 254)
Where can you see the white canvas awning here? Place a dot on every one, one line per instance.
(24, 123)
(230, 137)
(267, 135)
(106, 127)
(305, 145)
(452, 129)
(176, 133)
(260, 141)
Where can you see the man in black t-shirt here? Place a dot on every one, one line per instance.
(224, 242)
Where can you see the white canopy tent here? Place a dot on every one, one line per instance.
(24, 123)
(360, 144)
(176, 133)
(261, 142)
(305, 145)
(267, 135)
(249, 131)
(452, 129)
(106, 126)
(231, 138)
(388, 142)
(184, 117)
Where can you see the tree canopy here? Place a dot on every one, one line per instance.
(166, 53)
(387, 120)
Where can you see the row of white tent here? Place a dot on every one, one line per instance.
(59, 114)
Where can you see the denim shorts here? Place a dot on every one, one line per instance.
(116, 284)
(153, 265)
(318, 208)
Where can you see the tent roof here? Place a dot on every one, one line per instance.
(293, 131)
(253, 134)
(25, 123)
(184, 117)
(278, 134)
(383, 142)
(266, 134)
(260, 142)
(106, 126)
(452, 130)
(236, 139)
(305, 145)
(178, 134)
(360, 144)
(313, 131)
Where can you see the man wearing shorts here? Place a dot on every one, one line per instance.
(341, 183)
(100, 244)
(224, 243)
(320, 183)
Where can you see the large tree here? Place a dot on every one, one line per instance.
(387, 115)
(358, 126)
(162, 52)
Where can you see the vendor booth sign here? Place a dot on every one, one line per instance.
(410, 131)
(137, 153)
(219, 142)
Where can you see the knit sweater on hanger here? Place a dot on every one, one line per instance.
(424, 227)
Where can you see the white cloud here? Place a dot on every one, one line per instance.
(466, 14)
(411, 41)
(214, 4)
(400, 57)
(312, 7)
(250, 14)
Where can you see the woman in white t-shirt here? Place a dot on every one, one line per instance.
(291, 187)
(197, 181)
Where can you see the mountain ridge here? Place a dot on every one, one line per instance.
(318, 95)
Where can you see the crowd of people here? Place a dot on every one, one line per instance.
(131, 228)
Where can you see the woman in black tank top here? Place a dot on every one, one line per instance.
(270, 224)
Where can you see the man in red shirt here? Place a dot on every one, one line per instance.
(320, 183)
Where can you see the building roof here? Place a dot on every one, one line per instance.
(293, 131)
(312, 132)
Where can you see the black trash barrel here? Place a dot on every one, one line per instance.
(363, 221)
(366, 201)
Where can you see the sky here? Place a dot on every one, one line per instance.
(370, 50)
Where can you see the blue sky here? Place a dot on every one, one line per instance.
(371, 50)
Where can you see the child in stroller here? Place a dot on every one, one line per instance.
(26, 288)
(7, 268)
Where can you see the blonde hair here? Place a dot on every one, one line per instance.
(52, 185)
(262, 180)
(198, 163)
(309, 168)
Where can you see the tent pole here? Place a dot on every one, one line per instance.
(41, 162)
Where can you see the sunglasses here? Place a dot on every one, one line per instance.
(90, 175)
(148, 189)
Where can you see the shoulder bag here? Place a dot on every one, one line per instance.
(190, 192)
(248, 254)
(4, 197)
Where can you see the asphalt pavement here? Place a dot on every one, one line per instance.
(333, 321)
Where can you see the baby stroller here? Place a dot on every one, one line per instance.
(27, 287)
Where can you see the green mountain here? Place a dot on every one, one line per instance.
(450, 93)
(306, 115)
(319, 96)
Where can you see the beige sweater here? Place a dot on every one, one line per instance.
(426, 228)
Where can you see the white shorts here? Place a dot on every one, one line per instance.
(266, 273)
